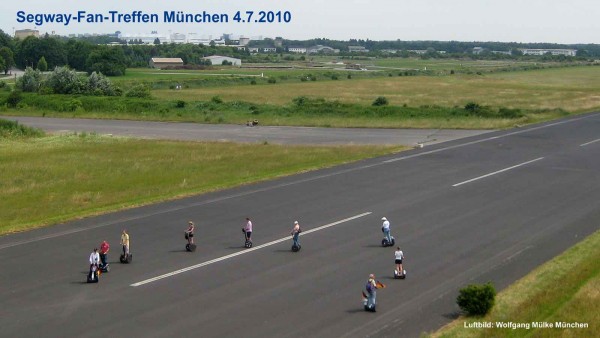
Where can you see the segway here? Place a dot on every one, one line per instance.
(126, 258)
(296, 247)
(385, 242)
(93, 275)
(248, 243)
(190, 247)
(399, 275)
(105, 268)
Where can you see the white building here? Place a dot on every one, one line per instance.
(217, 60)
(299, 50)
(536, 51)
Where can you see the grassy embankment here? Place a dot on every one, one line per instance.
(565, 289)
(414, 101)
(50, 179)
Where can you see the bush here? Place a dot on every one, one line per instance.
(216, 99)
(63, 80)
(300, 100)
(14, 129)
(180, 104)
(476, 300)
(140, 90)
(510, 113)
(30, 81)
(99, 84)
(72, 105)
(272, 80)
(14, 98)
(380, 101)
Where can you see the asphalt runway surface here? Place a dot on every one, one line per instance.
(485, 208)
(240, 133)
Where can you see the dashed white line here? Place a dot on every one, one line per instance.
(496, 172)
(245, 251)
(585, 144)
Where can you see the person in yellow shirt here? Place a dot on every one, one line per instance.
(125, 242)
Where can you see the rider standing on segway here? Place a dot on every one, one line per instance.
(125, 242)
(94, 259)
(385, 227)
(296, 233)
(104, 248)
(189, 233)
(247, 229)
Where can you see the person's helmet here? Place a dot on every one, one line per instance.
(371, 276)
(384, 219)
(295, 222)
(191, 223)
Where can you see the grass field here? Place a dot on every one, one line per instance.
(565, 289)
(77, 175)
(573, 89)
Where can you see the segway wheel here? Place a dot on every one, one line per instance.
(296, 248)
(129, 258)
(190, 247)
(384, 242)
(403, 274)
(122, 258)
(248, 244)
(92, 277)
(393, 242)
(106, 268)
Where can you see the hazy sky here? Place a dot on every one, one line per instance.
(559, 21)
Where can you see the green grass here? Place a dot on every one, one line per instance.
(79, 175)
(565, 289)
(414, 101)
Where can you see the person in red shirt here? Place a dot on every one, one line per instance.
(104, 248)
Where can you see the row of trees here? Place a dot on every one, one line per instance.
(63, 80)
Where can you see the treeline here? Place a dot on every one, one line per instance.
(111, 60)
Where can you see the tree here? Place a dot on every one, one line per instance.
(8, 57)
(2, 67)
(63, 80)
(42, 64)
(157, 41)
(78, 52)
(109, 61)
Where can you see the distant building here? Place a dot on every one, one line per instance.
(216, 60)
(244, 41)
(278, 42)
(536, 51)
(269, 50)
(478, 50)
(501, 52)
(321, 49)
(253, 49)
(23, 33)
(418, 51)
(389, 51)
(357, 49)
(165, 62)
(299, 50)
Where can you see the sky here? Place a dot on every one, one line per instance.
(555, 21)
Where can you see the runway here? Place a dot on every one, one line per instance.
(489, 207)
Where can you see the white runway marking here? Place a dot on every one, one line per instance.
(496, 172)
(245, 251)
(585, 144)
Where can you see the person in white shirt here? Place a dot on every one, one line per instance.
(295, 233)
(94, 258)
(385, 227)
(399, 255)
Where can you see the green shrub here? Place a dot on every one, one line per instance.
(216, 99)
(180, 104)
(14, 98)
(380, 101)
(476, 299)
(272, 80)
(72, 105)
(140, 90)
(30, 80)
(300, 100)
(253, 82)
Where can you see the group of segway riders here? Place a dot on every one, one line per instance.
(99, 258)
(370, 293)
